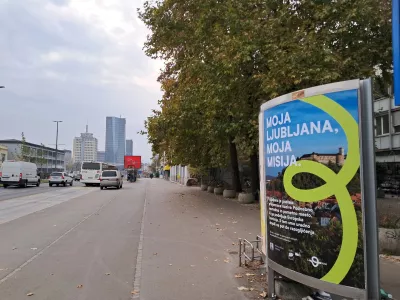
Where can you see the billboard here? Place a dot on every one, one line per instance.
(312, 187)
(132, 162)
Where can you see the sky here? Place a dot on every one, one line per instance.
(77, 61)
(320, 143)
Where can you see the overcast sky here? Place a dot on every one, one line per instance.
(77, 61)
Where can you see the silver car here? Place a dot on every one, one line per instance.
(58, 178)
(111, 178)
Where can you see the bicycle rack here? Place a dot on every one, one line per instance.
(254, 247)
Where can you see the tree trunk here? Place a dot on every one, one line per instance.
(235, 166)
(255, 176)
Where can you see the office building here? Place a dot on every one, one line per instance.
(101, 156)
(115, 140)
(44, 157)
(85, 147)
(129, 147)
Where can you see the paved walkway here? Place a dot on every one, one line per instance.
(231, 220)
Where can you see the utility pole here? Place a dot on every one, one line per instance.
(55, 165)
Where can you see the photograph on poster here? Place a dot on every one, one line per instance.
(311, 151)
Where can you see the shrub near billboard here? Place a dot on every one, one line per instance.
(132, 162)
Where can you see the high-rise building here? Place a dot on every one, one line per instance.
(101, 156)
(115, 140)
(85, 147)
(129, 147)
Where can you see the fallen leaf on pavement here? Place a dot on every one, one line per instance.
(170, 264)
(15, 248)
(242, 288)
(192, 266)
(238, 276)
(217, 224)
(80, 286)
(135, 292)
(108, 274)
(234, 222)
(250, 274)
(30, 294)
(155, 253)
(221, 213)
(216, 259)
(205, 257)
(233, 244)
(226, 260)
(33, 248)
(264, 294)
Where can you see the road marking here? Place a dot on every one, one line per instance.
(138, 268)
(51, 244)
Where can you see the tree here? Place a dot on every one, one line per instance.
(24, 150)
(223, 59)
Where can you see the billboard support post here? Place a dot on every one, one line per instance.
(371, 245)
(396, 49)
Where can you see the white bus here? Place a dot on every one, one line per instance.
(91, 171)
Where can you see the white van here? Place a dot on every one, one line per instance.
(19, 173)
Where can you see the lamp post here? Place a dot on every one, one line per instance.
(55, 165)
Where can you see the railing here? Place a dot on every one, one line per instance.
(255, 252)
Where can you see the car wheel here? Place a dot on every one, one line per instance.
(50, 184)
(38, 183)
(5, 186)
(101, 187)
(58, 184)
(72, 182)
(64, 183)
(24, 185)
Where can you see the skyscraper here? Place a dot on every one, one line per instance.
(129, 147)
(115, 140)
(85, 147)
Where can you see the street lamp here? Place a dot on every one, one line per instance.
(55, 165)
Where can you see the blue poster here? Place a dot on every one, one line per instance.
(313, 192)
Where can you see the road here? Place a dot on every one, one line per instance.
(135, 243)
(16, 192)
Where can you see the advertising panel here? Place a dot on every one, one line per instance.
(132, 162)
(312, 185)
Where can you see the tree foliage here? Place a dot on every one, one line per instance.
(224, 58)
(24, 150)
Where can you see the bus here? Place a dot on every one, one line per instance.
(91, 171)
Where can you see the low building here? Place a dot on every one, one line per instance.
(326, 158)
(3, 154)
(45, 157)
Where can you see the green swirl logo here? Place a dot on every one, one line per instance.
(335, 184)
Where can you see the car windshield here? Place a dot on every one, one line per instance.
(56, 174)
(109, 174)
(91, 166)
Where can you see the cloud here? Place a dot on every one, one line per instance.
(78, 61)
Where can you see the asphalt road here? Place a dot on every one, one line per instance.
(146, 241)
(16, 192)
(70, 243)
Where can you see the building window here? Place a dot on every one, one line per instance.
(382, 125)
(396, 121)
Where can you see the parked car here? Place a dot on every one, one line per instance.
(111, 178)
(58, 178)
(19, 173)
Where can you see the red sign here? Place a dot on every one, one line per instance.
(132, 162)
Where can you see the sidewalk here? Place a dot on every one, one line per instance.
(190, 248)
(214, 224)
